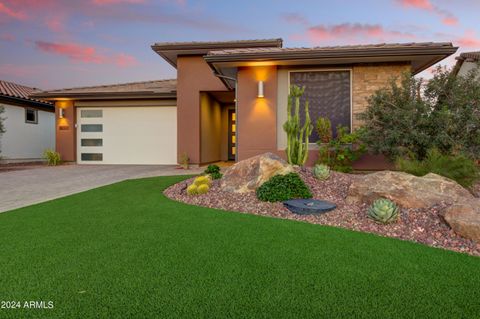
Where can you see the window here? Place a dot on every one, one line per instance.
(92, 128)
(91, 113)
(92, 142)
(328, 93)
(92, 157)
(31, 116)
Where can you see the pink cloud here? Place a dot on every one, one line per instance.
(447, 18)
(106, 2)
(86, 54)
(7, 37)
(469, 40)
(419, 4)
(12, 13)
(357, 31)
(56, 23)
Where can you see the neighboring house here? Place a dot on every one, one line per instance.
(229, 100)
(29, 124)
(466, 62)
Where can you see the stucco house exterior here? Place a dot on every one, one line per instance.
(466, 62)
(29, 124)
(229, 100)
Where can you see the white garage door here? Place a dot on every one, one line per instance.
(127, 135)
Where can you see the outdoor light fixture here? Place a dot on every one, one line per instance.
(260, 89)
(61, 113)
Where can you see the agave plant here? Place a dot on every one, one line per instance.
(383, 211)
(321, 172)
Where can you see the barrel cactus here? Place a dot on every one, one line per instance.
(192, 190)
(203, 189)
(321, 172)
(200, 180)
(383, 211)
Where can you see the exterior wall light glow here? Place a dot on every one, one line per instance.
(260, 89)
(61, 113)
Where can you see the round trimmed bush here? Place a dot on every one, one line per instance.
(282, 188)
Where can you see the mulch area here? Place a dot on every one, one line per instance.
(424, 226)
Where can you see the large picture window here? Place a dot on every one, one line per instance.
(328, 93)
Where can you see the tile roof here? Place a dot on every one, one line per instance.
(241, 51)
(157, 86)
(15, 90)
(475, 56)
(219, 43)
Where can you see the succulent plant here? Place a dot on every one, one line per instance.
(321, 172)
(192, 190)
(203, 189)
(383, 211)
(200, 180)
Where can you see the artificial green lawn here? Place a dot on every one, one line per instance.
(125, 250)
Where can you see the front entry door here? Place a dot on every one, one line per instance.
(232, 136)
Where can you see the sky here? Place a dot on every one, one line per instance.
(51, 44)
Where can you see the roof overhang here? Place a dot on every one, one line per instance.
(27, 102)
(419, 57)
(170, 51)
(58, 96)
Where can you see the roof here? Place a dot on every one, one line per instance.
(17, 91)
(158, 89)
(171, 50)
(421, 55)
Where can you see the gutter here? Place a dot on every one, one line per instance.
(107, 95)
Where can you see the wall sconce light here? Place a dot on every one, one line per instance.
(61, 113)
(260, 89)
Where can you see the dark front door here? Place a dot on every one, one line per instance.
(232, 136)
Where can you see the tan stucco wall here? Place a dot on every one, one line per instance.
(256, 117)
(210, 129)
(193, 76)
(369, 78)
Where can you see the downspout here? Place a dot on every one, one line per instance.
(218, 75)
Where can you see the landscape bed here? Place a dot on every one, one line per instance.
(424, 226)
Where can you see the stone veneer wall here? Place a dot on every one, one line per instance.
(369, 78)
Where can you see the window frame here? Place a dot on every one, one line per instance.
(35, 111)
(350, 70)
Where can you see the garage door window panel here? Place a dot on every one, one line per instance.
(88, 128)
(92, 142)
(92, 156)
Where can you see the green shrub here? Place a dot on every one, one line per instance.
(411, 116)
(213, 171)
(52, 157)
(324, 130)
(383, 211)
(458, 167)
(341, 151)
(283, 187)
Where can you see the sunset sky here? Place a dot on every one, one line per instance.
(55, 44)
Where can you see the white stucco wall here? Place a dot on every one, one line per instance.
(467, 67)
(25, 141)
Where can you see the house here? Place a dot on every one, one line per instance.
(466, 62)
(229, 100)
(29, 124)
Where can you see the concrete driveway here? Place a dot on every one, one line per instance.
(30, 186)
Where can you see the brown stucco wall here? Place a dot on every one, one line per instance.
(369, 78)
(256, 117)
(193, 76)
(65, 137)
(210, 129)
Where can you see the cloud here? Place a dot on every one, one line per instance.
(358, 32)
(56, 23)
(107, 2)
(12, 13)
(469, 40)
(8, 37)
(87, 54)
(295, 18)
(447, 17)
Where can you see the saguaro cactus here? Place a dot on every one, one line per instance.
(297, 135)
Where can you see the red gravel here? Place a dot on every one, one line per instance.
(424, 226)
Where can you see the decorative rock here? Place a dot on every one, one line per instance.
(406, 190)
(308, 206)
(464, 218)
(247, 175)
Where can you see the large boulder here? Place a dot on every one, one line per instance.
(464, 218)
(406, 190)
(248, 175)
